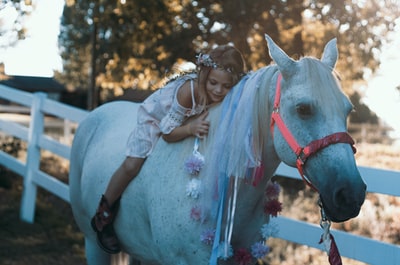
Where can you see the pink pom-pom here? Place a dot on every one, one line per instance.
(272, 207)
(242, 256)
(195, 213)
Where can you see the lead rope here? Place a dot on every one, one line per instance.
(327, 238)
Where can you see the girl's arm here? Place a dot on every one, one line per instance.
(197, 126)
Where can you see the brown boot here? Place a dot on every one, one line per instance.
(102, 224)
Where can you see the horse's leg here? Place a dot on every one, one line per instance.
(120, 259)
(95, 255)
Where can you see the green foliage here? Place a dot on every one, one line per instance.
(361, 27)
(136, 43)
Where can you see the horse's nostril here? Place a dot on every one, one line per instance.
(341, 197)
(347, 196)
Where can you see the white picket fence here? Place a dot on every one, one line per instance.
(36, 141)
(352, 246)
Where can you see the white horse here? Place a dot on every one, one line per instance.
(154, 223)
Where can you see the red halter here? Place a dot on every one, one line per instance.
(303, 153)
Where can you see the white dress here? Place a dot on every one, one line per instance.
(159, 114)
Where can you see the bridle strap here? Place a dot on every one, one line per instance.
(335, 138)
(303, 153)
(317, 145)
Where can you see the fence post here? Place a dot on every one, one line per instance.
(36, 129)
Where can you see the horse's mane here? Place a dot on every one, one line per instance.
(237, 145)
(250, 125)
(261, 122)
(238, 133)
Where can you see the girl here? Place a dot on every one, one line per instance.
(164, 114)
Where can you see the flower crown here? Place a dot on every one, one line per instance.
(206, 60)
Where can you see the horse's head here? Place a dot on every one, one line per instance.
(309, 129)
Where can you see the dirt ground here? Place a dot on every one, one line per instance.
(53, 238)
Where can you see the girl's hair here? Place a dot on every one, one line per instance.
(224, 57)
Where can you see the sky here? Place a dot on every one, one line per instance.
(380, 93)
(38, 54)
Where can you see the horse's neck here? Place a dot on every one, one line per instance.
(255, 192)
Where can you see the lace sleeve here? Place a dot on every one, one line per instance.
(173, 119)
(177, 114)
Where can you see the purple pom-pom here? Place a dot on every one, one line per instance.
(259, 250)
(207, 236)
(272, 191)
(194, 164)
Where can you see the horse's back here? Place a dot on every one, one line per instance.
(154, 210)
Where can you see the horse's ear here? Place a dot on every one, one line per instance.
(287, 66)
(330, 55)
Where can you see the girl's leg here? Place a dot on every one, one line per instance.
(103, 220)
(122, 177)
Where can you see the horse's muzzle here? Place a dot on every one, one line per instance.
(345, 204)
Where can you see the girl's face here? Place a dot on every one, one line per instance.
(218, 84)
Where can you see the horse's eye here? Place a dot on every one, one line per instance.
(304, 110)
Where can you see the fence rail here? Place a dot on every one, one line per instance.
(32, 175)
(350, 245)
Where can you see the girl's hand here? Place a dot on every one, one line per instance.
(199, 126)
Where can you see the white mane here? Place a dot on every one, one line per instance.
(236, 146)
